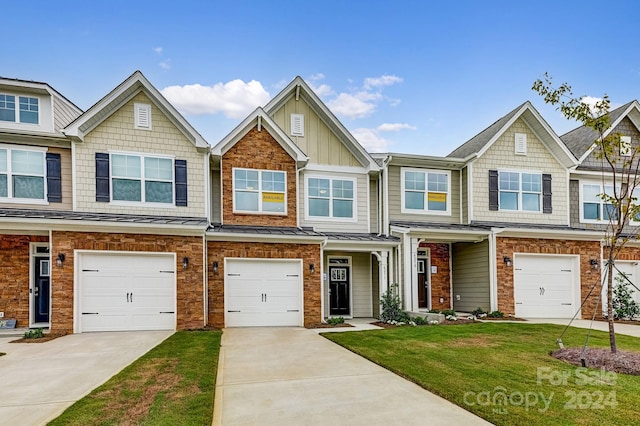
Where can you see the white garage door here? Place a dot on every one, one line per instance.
(261, 292)
(546, 286)
(126, 291)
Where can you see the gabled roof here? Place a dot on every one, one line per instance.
(122, 94)
(581, 140)
(300, 89)
(480, 143)
(262, 120)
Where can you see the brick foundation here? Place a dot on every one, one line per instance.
(309, 253)
(190, 298)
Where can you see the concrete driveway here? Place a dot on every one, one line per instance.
(293, 376)
(40, 380)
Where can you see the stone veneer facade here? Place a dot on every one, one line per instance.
(309, 253)
(190, 291)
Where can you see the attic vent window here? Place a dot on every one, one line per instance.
(142, 116)
(625, 146)
(297, 125)
(521, 143)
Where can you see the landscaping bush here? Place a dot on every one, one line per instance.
(448, 313)
(624, 307)
(36, 333)
(478, 312)
(419, 321)
(496, 314)
(392, 307)
(335, 320)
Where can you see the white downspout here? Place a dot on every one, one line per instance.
(493, 270)
(322, 245)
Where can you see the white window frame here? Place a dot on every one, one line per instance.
(143, 179)
(16, 110)
(259, 191)
(331, 218)
(10, 198)
(425, 211)
(601, 202)
(138, 108)
(520, 191)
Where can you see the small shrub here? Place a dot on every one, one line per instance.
(478, 312)
(624, 307)
(448, 313)
(419, 321)
(434, 311)
(335, 320)
(496, 314)
(36, 333)
(392, 307)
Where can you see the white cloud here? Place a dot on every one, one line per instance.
(158, 50)
(383, 80)
(235, 99)
(351, 106)
(165, 65)
(394, 127)
(316, 77)
(371, 140)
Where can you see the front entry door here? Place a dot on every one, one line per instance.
(41, 290)
(423, 284)
(339, 303)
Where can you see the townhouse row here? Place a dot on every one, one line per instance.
(123, 217)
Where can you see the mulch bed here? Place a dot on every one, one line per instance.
(602, 358)
(46, 338)
(502, 319)
(325, 325)
(445, 322)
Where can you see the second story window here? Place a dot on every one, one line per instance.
(520, 191)
(594, 208)
(259, 191)
(27, 111)
(22, 174)
(425, 191)
(330, 198)
(141, 179)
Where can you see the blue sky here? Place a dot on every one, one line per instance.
(403, 76)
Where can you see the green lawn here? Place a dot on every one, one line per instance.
(503, 372)
(173, 384)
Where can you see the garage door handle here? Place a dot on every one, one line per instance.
(566, 304)
(233, 275)
(234, 311)
(90, 313)
(293, 310)
(167, 312)
(166, 272)
(127, 297)
(90, 270)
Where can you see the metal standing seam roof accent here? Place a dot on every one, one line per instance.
(442, 226)
(360, 237)
(264, 230)
(102, 217)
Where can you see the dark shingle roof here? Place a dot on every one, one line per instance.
(264, 230)
(579, 140)
(360, 237)
(102, 217)
(476, 143)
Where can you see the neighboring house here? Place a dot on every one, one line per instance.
(123, 249)
(298, 204)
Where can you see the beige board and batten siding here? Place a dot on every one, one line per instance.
(361, 283)
(501, 156)
(319, 142)
(470, 275)
(464, 200)
(375, 286)
(361, 222)
(395, 199)
(117, 133)
(216, 197)
(373, 205)
(67, 184)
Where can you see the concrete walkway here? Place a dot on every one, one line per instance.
(40, 380)
(293, 376)
(626, 329)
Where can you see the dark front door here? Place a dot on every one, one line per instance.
(41, 290)
(339, 290)
(423, 284)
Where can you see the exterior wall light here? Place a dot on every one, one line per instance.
(507, 261)
(185, 262)
(312, 268)
(594, 263)
(215, 266)
(60, 259)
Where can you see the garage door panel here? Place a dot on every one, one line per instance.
(545, 286)
(262, 292)
(127, 291)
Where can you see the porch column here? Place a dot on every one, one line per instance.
(383, 268)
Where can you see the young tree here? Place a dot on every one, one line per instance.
(620, 166)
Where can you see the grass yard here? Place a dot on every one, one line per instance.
(503, 373)
(172, 384)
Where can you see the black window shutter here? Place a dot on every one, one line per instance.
(546, 194)
(181, 182)
(54, 178)
(102, 178)
(493, 190)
